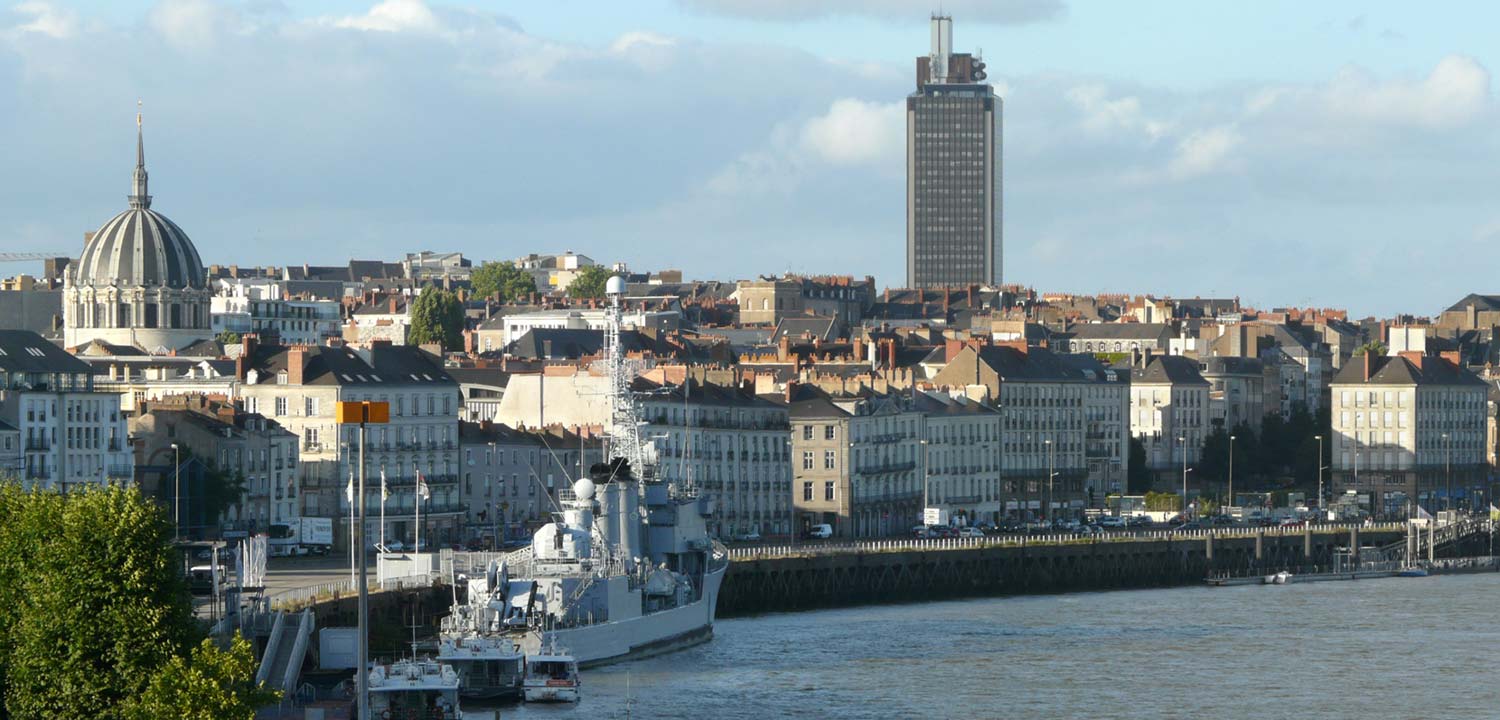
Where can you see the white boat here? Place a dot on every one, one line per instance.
(551, 675)
(413, 689)
(473, 640)
(1280, 578)
(627, 567)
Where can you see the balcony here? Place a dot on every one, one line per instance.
(886, 468)
(39, 474)
(115, 445)
(36, 444)
(120, 471)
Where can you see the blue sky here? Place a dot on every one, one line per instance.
(1338, 154)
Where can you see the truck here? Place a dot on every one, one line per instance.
(302, 536)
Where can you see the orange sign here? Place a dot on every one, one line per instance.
(362, 413)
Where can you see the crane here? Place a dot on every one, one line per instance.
(19, 257)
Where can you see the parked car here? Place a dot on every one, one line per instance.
(1112, 521)
(970, 532)
(821, 531)
(1293, 523)
(1088, 530)
(1137, 521)
(751, 536)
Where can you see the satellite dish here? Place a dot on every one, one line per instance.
(615, 285)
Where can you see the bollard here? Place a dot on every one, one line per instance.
(1260, 541)
(1307, 542)
(1208, 549)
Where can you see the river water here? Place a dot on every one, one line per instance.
(1389, 648)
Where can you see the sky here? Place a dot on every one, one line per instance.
(1332, 154)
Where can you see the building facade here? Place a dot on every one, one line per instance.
(953, 170)
(1409, 427)
(961, 458)
(1169, 412)
(71, 435)
(298, 387)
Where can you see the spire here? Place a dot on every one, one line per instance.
(139, 198)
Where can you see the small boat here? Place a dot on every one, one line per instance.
(551, 675)
(414, 689)
(1280, 578)
(1412, 571)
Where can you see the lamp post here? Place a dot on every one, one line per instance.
(1322, 511)
(1231, 471)
(1447, 473)
(1183, 441)
(1051, 472)
(362, 414)
(176, 493)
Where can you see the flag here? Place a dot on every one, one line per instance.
(385, 493)
(1423, 514)
(422, 491)
(1494, 512)
(349, 490)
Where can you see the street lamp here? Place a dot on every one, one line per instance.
(1183, 441)
(1447, 473)
(1321, 510)
(1231, 471)
(1051, 473)
(176, 493)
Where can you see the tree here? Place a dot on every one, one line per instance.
(504, 278)
(437, 317)
(1375, 347)
(1137, 475)
(228, 337)
(92, 602)
(213, 685)
(589, 283)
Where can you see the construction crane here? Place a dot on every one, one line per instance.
(20, 257)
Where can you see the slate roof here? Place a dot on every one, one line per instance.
(1168, 369)
(1229, 365)
(1480, 302)
(1401, 371)
(27, 352)
(1119, 331)
(795, 328)
(382, 364)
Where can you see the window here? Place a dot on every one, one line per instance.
(828, 491)
(311, 408)
(828, 461)
(807, 432)
(280, 406)
(807, 460)
(807, 491)
(827, 432)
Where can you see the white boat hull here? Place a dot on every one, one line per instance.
(644, 636)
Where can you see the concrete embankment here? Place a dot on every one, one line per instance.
(908, 572)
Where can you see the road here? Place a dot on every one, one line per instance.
(287, 573)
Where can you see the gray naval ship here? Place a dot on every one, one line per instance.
(627, 569)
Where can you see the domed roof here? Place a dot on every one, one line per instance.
(140, 247)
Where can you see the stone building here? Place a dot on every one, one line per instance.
(1169, 411)
(139, 281)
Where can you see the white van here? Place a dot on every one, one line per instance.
(820, 532)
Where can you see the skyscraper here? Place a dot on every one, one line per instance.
(953, 141)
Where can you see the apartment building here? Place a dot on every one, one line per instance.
(71, 435)
(1411, 426)
(960, 458)
(298, 386)
(1169, 411)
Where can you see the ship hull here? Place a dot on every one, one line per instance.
(641, 637)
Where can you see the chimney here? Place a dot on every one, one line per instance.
(951, 348)
(791, 390)
(1369, 363)
(296, 358)
(1452, 357)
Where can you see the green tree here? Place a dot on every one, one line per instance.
(504, 278)
(1374, 346)
(589, 283)
(93, 601)
(213, 684)
(228, 337)
(221, 489)
(437, 317)
(1137, 475)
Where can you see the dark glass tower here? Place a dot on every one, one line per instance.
(953, 141)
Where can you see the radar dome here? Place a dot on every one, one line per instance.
(583, 489)
(615, 285)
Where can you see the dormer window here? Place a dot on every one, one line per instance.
(281, 377)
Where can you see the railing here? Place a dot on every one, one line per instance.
(38, 444)
(885, 468)
(120, 471)
(971, 543)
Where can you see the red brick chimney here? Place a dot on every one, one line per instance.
(951, 348)
(1452, 357)
(296, 358)
(393, 305)
(1369, 364)
(791, 390)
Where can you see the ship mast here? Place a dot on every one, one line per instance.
(623, 436)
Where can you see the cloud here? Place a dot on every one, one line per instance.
(1456, 92)
(1003, 12)
(44, 18)
(856, 132)
(1203, 152)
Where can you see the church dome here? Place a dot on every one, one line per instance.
(140, 247)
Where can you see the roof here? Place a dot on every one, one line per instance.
(815, 326)
(382, 364)
(24, 351)
(699, 393)
(811, 403)
(575, 343)
(1480, 302)
(1399, 370)
(1168, 369)
(495, 377)
(1230, 365)
(1119, 331)
(930, 403)
(1033, 364)
(6, 427)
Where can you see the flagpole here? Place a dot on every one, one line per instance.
(382, 509)
(349, 493)
(418, 545)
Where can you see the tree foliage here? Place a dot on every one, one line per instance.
(92, 603)
(590, 281)
(213, 684)
(504, 278)
(228, 337)
(1162, 502)
(437, 317)
(1374, 347)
